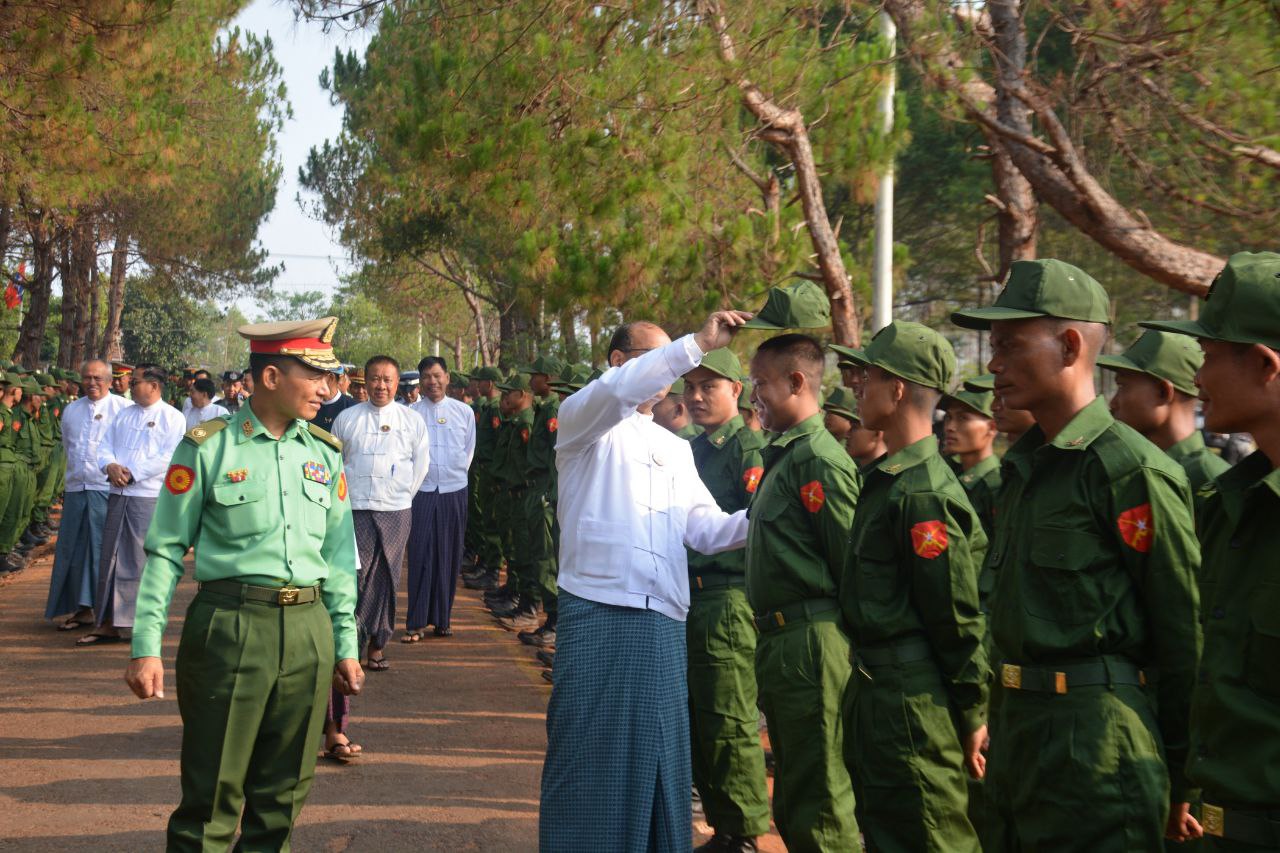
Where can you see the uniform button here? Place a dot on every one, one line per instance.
(288, 527)
(291, 562)
(1219, 613)
(284, 492)
(242, 497)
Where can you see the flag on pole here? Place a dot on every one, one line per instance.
(13, 293)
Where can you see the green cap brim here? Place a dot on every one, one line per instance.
(949, 399)
(757, 323)
(856, 357)
(839, 410)
(982, 318)
(1119, 362)
(1182, 327)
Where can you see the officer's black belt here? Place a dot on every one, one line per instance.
(717, 580)
(1061, 678)
(1250, 826)
(281, 596)
(906, 650)
(801, 611)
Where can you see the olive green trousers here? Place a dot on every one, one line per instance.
(17, 512)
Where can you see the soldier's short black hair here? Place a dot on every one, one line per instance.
(260, 361)
(431, 361)
(152, 372)
(205, 386)
(797, 352)
(381, 359)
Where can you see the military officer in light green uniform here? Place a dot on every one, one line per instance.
(262, 498)
(510, 467)
(1235, 712)
(728, 760)
(799, 527)
(915, 709)
(483, 516)
(540, 497)
(1156, 395)
(1094, 610)
(969, 434)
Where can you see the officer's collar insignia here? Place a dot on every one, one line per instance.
(1076, 442)
(248, 427)
(719, 440)
(239, 475)
(317, 472)
(893, 469)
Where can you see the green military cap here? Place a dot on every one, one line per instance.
(19, 369)
(72, 376)
(1046, 288)
(677, 388)
(458, 380)
(309, 341)
(1164, 355)
(744, 398)
(517, 381)
(547, 364)
(1242, 307)
(723, 362)
(491, 374)
(802, 305)
(30, 386)
(46, 380)
(7, 378)
(909, 351)
(841, 401)
(573, 378)
(979, 401)
(985, 382)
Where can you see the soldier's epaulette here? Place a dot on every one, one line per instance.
(198, 434)
(325, 436)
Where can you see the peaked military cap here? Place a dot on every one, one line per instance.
(72, 375)
(7, 378)
(517, 381)
(985, 382)
(841, 401)
(232, 376)
(46, 380)
(546, 364)
(910, 351)
(978, 401)
(1242, 307)
(1044, 288)
(491, 374)
(30, 386)
(677, 388)
(309, 341)
(723, 362)
(357, 376)
(802, 305)
(457, 379)
(573, 378)
(1164, 355)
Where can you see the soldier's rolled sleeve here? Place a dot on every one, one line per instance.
(174, 527)
(1166, 579)
(944, 590)
(339, 554)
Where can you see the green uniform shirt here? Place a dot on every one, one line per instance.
(1235, 715)
(8, 437)
(982, 483)
(729, 463)
(55, 405)
(1200, 464)
(1094, 554)
(800, 518)
(510, 457)
(257, 509)
(911, 570)
(541, 451)
(689, 431)
(488, 422)
(26, 443)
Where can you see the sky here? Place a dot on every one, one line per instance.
(312, 257)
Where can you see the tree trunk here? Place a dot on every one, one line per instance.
(84, 261)
(89, 341)
(569, 335)
(457, 353)
(482, 333)
(112, 346)
(67, 324)
(6, 225)
(39, 287)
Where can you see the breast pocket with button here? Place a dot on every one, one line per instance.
(1060, 585)
(241, 508)
(315, 510)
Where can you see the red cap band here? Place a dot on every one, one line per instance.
(271, 347)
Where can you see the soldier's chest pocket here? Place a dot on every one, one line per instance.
(877, 579)
(1262, 664)
(315, 507)
(242, 508)
(1061, 585)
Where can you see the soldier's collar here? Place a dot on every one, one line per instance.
(246, 426)
(808, 426)
(991, 463)
(727, 430)
(909, 456)
(1089, 423)
(1189, 446)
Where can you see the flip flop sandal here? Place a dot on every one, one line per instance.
(341, 753)
(72, 624)
(412, 637)
(99, 640)
(379, 665)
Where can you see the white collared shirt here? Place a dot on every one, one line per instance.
(142, 438)
(452, 427)
(630, 498)
(195, 416)
(385, 452)
(84, 424)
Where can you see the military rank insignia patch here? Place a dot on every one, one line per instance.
(317, 473)
(495, 423)
(812, 496)
(248, 427)
(342, 486)
(239, 475)
(751, 478)
(1136, 528)
(524, 435)
(553, 425)
(929, 539)
(179, 479)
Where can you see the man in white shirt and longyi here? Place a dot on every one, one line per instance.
(617, 772)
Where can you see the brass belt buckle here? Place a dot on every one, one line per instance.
(1011, 676)
(1059, 682)
(287, 595)
(777, 617)
(1213, 820)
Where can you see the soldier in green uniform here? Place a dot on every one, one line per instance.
(483, 513)
(262, 497)
(672, 414)
(510, 468)
(540, 497)
(49, 480)
(27, 447)
(864, 444)
(1156, 395)
(796, 540)
(1014, 423)
(1235, 711)
(745, 408)
(728, 760)
(10, 397)
(915, 709)
(969, 435)
(1094, 558)
(838, 407)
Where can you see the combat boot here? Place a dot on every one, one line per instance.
(721, 843)
(546, 658)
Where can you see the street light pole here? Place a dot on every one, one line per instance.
(882, 264)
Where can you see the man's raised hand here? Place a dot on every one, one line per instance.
(719, 329)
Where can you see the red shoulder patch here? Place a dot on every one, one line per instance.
(524, 435)
(342, 486)
(812, 496)
(552, 425)
(751, 478)
(929, 539)
(17, 426)
(1136, 528)
(495, 423)
(179, 479)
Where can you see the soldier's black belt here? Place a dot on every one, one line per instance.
(906, 650)
(286, 596)
(1261, 828)
(801, 611)
(717, 580)
(1065, 677)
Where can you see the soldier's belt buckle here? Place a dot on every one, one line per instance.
(1011, 676)
(287, 595)
(777, 617)
(1213, 820)
(699, 580)
(1059, 682)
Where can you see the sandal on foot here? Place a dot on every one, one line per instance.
(379, 665)
(100, 639)
(72, 624)
(412, 637)
(342, 753)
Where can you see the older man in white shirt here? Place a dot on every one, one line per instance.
(440, 506)
(74, 582)
(133, 457)
(617, 772)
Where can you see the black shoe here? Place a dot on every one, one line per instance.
(526, 637)
(498, 594)
(546, 658)
(488, 582)
(545, 638)
(546, 676)
(45, 529)
(446, 631)
(720, 843)
(31, 539)
(517, 606)
(14, 562)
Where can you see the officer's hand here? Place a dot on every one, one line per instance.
(348, 677)
(975, 758)
(145, 677)
(1182, 826)
(720, 328)
(117, 475)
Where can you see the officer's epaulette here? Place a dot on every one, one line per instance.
(325, 436)
(198, 434)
